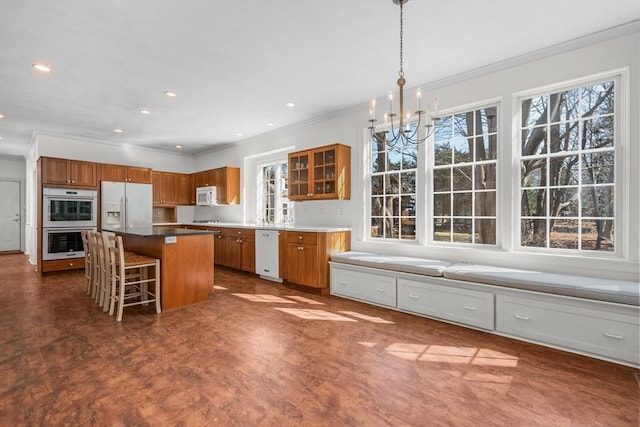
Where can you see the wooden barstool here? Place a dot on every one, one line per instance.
(130, 278)
(95, 265)
(88, 268)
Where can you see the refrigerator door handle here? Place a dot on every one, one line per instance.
(123, 216)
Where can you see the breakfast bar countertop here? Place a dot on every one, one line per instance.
(280, 227)
(162, 231)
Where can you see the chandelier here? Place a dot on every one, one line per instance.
(401, 129)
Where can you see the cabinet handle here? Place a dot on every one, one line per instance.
(470, 307)
(414, 296)
(343, 282)
(68, 181)
(610, 335)
(380, 289)
(218, 237)
(71, 265)
(300, 248)
(299, 237)
(238, 240)
(521, 317)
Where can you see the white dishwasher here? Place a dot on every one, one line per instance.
(267, 254)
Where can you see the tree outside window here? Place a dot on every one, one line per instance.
(464, 177)
(567, 166)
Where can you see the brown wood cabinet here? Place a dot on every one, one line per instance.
(308, 254)
(68, 173)
(186, 190)
(119, 173)
(204, 178)
(61, 264)
(225, 179)
(166, 187)
(236, 248)
(320, 173)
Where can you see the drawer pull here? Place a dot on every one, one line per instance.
(521, 317)
(414, 296)
(470, 307)
(610, 335)
(343, 282)
(380, 289)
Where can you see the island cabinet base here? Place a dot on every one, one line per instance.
(186, 266)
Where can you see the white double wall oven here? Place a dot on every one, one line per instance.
(66, 212)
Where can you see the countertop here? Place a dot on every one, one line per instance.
(282, 227)
(160, 231)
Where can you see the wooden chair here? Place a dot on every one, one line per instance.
(88, 268)
(96, 284)
(130, 278)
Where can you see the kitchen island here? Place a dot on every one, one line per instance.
(186, 261)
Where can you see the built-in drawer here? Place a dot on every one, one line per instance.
(62, 264)
(245, 233)
(302, 237)
(367, 287)
(465, 306)
(559, 322)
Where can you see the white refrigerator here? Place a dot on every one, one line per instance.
(126, 205)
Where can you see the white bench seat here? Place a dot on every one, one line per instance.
(618, 291)
(403, 264)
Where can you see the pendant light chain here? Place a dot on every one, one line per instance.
(401, 72)
(400, 133)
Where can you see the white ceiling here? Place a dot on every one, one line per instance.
(234, 64)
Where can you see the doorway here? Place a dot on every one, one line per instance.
(10, 216)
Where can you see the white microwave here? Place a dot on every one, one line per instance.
(206, 196)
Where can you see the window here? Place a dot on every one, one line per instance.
(567, 167)
(393, 171)
(273, 201)
(464, 177)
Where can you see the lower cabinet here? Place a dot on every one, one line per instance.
(373, 288)
(307, 256)
(236, 248)
(592, 327)
(473, 308)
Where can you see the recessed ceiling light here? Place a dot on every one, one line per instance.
(144, 111)
(290, 104)
(178, 147)
(239, 134)
(169, 93)
(118, 131)
(0, 138)
(1, 116)
(270, 125)
(41, 67)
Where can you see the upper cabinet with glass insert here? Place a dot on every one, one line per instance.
(320, 173)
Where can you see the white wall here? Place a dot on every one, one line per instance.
(348, 128)
(14, 169)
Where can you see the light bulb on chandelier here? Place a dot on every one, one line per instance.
(400, 124)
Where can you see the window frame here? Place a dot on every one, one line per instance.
(621, 164)
(419, 198)
(429, 216)
(279, 200)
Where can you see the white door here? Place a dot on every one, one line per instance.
(9, 216)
